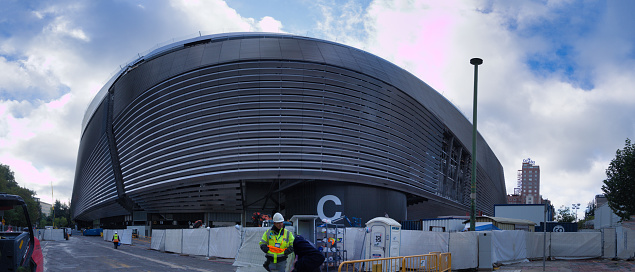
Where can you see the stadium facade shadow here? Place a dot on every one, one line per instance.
(218, 127)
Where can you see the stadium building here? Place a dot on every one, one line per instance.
(218, 127)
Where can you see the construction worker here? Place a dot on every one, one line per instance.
(277, 244)
(115, 239)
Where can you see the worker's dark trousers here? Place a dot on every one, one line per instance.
(116, 243)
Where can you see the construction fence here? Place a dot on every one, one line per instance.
(504, 246)
(213, 242)
(49, 234)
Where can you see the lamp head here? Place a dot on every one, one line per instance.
(476, 61)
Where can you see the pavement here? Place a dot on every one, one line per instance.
(588, 265)
(93, 254)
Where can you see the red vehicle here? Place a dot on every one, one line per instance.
(20, 251)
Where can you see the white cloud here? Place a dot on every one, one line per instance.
(63, 26)
(269, 24)
(215, 16)
(571, 133)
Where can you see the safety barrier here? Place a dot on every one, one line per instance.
(421, 263)
(445, 262)
(433, 262)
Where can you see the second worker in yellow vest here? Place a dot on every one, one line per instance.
(277, 244)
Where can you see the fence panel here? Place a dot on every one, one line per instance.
(445, 262)
(421, 263)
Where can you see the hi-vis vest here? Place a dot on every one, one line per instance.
(277, 243)
(115, 238)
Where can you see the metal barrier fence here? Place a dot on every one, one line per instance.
(445, 262)
(433, 262)
(421, 263)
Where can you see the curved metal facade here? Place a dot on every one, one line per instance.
(189, 126)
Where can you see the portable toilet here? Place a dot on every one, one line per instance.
(383, 236)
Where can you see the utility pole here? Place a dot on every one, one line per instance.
(53, 199)
(544, 238)
(476, 62)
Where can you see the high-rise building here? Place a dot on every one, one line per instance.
(528, 190)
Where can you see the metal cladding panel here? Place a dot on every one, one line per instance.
(230, 51)
(277, 106)
(94, 187)
(290, 49)
(310, 51)
(270, 49)
(250, 49)
(211, 54)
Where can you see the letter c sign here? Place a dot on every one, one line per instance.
(320, 207)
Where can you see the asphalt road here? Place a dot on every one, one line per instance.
(89, 253)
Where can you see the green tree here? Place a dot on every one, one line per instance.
(565, 215)
(590, 210)
(619, 187)
(9, 185)
(62, 214)
(60, 222)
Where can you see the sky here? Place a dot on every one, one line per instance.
(557, 84)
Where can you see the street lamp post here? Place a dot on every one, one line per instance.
(576, 207)
(476, 62)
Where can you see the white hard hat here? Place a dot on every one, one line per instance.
(115, 232)
(277, 218)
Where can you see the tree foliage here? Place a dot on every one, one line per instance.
(619, 187)
(9, 185)
(565, 215)
(590, 210)
(62, 214)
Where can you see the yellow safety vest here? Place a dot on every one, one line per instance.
(277, 243)
(115, 238)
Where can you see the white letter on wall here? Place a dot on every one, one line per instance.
(320, 207)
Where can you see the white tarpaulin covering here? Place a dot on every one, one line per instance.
(508, 246)
(354, 244)
(608, 239)
(106, 234)
(224, 242)
(174, 240)
(576, 245)
(249, 254)
(158, 240)
(625, 242)
(416, 242)
(195, 242)
(125, 236)
(535, 242)
(54, 234)
(464, 249)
